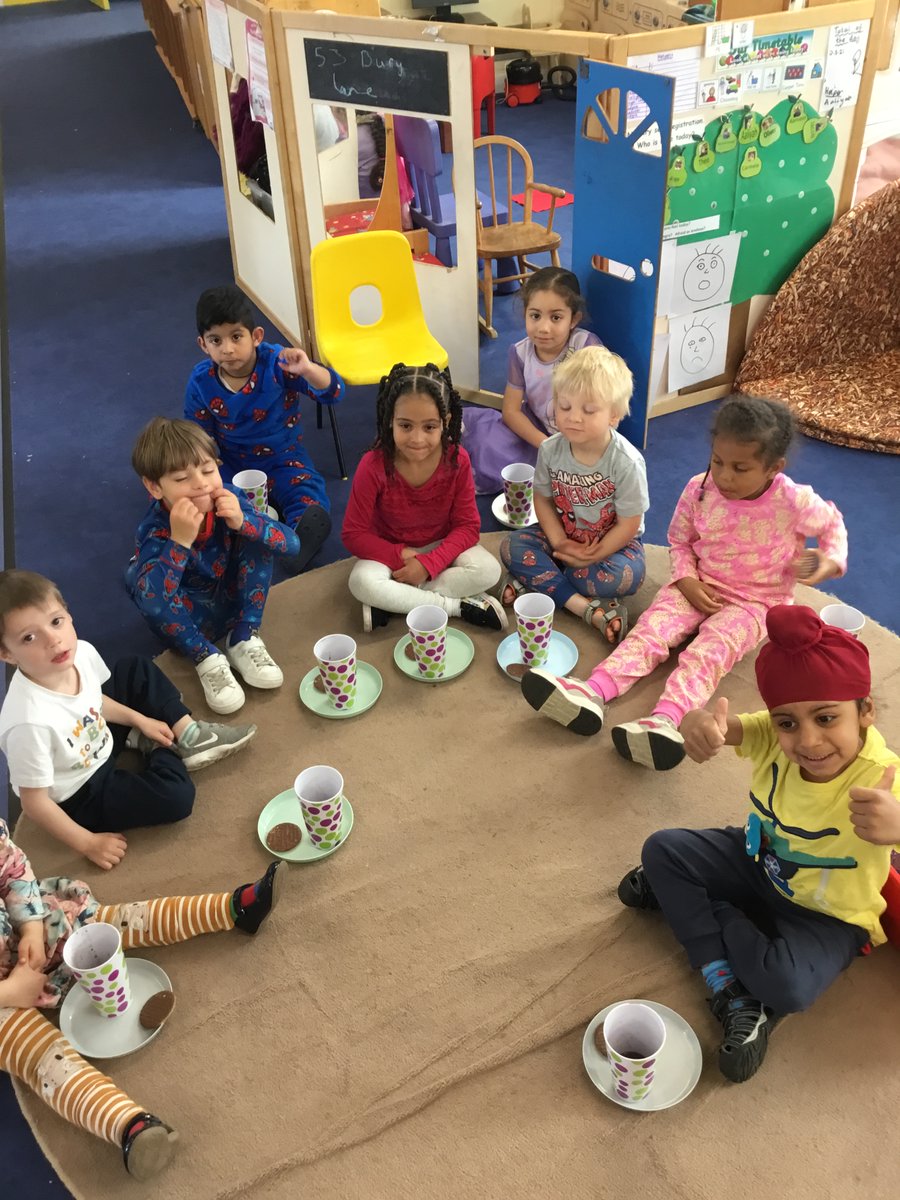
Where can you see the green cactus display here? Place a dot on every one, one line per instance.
(749, 131)
(775, 192)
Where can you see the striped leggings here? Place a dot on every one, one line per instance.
(36, 1052)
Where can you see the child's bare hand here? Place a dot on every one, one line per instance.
(704, 732)
(875, 812)
(412, 572)
(294, 361)
(157, 731)
(228, 507)
(703, 597)
(813, 566)
(185, 520)
(23, 987)
(31, 950)
(571, 553)
(106, 850)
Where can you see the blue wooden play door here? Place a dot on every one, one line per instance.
(624, 119)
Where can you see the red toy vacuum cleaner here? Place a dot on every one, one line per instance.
(523, 82)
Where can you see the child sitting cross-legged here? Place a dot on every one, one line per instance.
(203, 562)
(61, 734)
(37, 917)
(411, 519)
(772, 913)
(246, 394)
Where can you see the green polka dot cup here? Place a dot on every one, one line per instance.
(336, 656)
(634, 1036)
(534, 624)
(320, 791)
(427, 627)
(518, 488)
(256, 486)
(95, 957)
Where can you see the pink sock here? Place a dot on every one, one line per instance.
(665, 708)
(601, 682)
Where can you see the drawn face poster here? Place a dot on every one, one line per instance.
(703, 274)
(698, 344)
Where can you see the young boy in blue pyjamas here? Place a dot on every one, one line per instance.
(204, 559)
(246, 395)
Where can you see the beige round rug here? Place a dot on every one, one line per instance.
(409, 1023)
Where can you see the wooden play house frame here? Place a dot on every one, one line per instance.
(271, 257)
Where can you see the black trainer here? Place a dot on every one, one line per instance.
(148, 1145)
(636, 892)
(747, 1024)
(483, 610)
(252, 910)
(312, 529)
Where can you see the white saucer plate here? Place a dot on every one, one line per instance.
(96, 1036)
(498, 508)
(286, 807)
(678, 1064)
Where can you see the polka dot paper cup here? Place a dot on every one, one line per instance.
(320, 791)
(427, 627)
(634, 1036)
(336, 656)
(95, 957)
(256, 486)
(518, 487)
(534, 622)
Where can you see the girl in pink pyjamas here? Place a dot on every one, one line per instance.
(737, 539)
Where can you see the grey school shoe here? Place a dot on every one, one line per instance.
(213, 742)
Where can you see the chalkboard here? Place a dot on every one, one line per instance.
(393, 77)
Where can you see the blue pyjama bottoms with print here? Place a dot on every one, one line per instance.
(294, 483)
(528, 557)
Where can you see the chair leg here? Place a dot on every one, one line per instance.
(336, 434)
(318, 415)
(489, 299)
(554, 257)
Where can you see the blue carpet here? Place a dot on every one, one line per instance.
(115, 222)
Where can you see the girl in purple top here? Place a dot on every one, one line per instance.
(554, 307)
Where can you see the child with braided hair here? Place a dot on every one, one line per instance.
(411, 519)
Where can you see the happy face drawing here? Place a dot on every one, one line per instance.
(705, 275)
(697, 348)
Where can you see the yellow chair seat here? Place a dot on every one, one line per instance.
(364, 353)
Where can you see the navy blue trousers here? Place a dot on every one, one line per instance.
(720, 904)
(113, 800)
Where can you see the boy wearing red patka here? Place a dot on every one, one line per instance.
(772, 913)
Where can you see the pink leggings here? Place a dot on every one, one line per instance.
(722, 640)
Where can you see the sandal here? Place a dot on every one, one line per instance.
(518, 589)
(618, 612)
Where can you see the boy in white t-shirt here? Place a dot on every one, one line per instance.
(61, 734)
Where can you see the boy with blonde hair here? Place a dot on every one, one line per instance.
(61, 734)
(590, 496)
(203, 562)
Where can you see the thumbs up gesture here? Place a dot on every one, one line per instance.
(875, 812)
(705, 733)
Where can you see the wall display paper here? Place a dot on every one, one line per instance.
(764, 49)
(681, 65)
(657, 363)
(730, 87)
(258, 76)
(844, 63)
(718, 39)
(218, 33)
(698, 345)
(771, 79)
(708, 93)
(741, 34)
(771, 187)
(703, 274)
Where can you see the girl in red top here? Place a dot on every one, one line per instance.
(412, 520)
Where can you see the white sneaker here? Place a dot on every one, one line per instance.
(222, 691)
(254, 663)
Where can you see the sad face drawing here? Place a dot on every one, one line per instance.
(697, 348)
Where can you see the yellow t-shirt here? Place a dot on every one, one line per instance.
(801, 831)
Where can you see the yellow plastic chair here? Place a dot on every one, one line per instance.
(363, 353)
